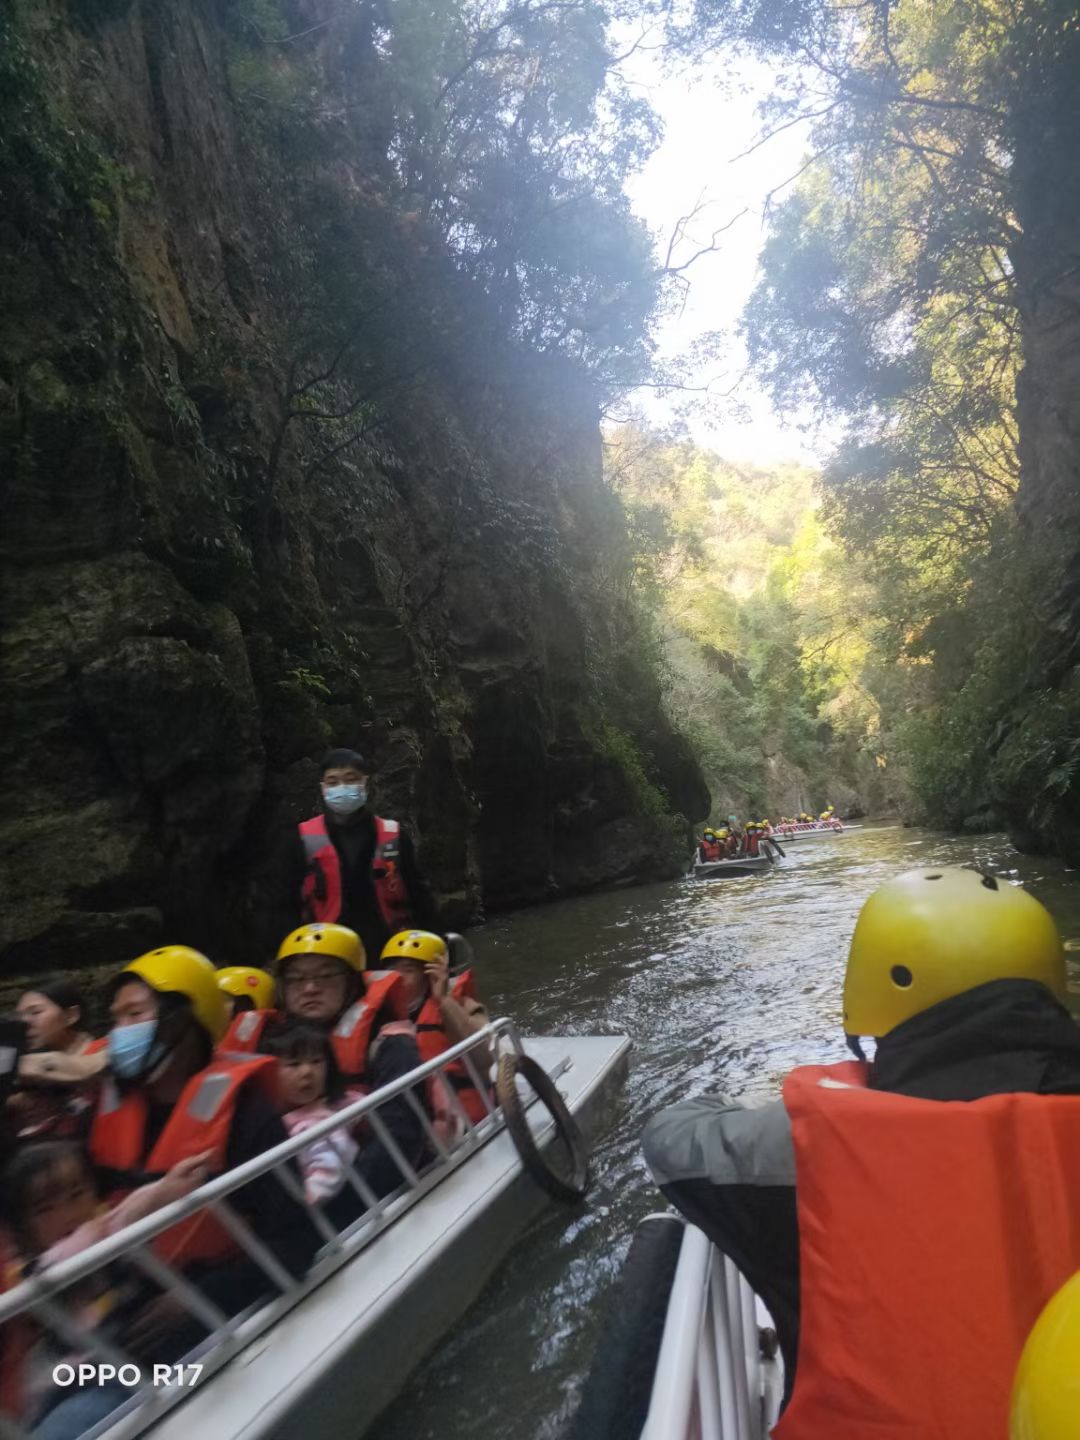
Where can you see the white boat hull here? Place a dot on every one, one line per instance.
(816, 834)
(332, 1364)
(719, 869)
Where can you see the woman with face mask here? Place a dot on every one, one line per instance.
(348, 866)
(166, 1098)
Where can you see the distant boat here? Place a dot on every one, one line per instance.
(742, 865)
(814, 832)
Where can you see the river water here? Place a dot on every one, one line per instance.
(722, 986)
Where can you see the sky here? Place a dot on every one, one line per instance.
(710, 120)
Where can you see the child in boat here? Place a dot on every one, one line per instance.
(310, 1088)
(52, 1207)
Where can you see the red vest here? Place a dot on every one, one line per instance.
(432, 1041)
(202, 1119)
(322, 884)
(383, 999)
(931, 1235)
(710, 850)
(16, 1338)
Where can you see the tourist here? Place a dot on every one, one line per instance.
(919, 1221)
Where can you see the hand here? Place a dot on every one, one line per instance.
(188, 1174)
(438, 979)
(153, 1324)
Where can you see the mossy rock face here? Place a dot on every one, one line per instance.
(203, 584)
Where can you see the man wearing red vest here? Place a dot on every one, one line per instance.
(350, 867)
(914, 1213)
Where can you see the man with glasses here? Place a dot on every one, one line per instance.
(324, 982)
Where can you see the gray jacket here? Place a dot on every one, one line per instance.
(714, 1139)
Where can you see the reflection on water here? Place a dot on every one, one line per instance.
(721, 986)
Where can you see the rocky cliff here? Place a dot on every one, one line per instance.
(276, 477)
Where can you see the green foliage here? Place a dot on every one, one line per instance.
(761, 640)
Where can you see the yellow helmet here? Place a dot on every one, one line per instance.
(419, 945)
(179, 970)
(335, 941)
(244, 982)
(724, 835)
(710, 834)
(1046, 1395)
(931, 934)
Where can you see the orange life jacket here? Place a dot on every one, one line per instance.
(383, 999)
(931, 1234)
(245, 1032)
(432, 1041)
(710, 850)
(322, 893)
(16, 1338)
(202, 1119)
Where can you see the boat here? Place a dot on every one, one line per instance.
(739, 864)
(690, 1353)
(333, 1343)
(814, 832)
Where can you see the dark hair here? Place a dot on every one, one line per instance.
(295, 1040)
(60, 990)
(343, 760)
(28, 1164)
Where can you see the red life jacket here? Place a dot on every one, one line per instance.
(432, 1041)
(245, 1032)
(752, 840)
(931, 1235)
(710, 850)
(322, 894)
(16, 1338)
(202, 1119)
(383, 999)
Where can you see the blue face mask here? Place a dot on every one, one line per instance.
(345, 799)
(130, 1047)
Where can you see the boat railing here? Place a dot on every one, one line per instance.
(38, 1300)
(712, 1380)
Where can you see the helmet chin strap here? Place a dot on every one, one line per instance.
(854, 1044)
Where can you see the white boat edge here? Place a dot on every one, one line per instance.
(332, 1366)
(711, 1381)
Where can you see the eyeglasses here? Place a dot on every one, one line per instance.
(321, 978)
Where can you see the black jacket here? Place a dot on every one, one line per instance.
(1010, 1036)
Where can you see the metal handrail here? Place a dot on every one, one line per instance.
(711, 1382)
(67, 1272)
(36, 1295)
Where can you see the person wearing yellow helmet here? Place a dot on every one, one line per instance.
(444, 1011)
(1046, 1394)
(910, 1221)
(245, 988)
(325, 981)
(168, 1097)
(710, 848)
